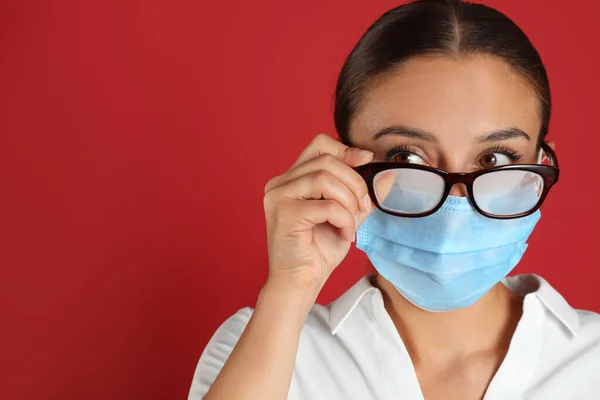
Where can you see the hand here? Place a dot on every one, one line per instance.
(312, 212)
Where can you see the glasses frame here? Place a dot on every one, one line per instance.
(549, 174)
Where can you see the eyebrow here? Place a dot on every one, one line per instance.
(411, 133)
(414, 133)
(503, 134)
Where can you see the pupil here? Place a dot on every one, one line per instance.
(402, 157)
(489, 160)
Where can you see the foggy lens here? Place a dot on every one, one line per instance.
(408, 191)
(508, 192)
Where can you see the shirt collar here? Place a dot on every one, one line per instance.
(524, 285)
(534, 285)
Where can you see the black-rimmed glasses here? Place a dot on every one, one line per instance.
(505, 192)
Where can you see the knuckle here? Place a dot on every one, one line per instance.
(322, 141)
(268, 200)
(360, 186)
(270, 184)
(350, 220)
(321, 177)
(346, 215)
(347, 150)
(363, 190)
(330, 206)
(327, 161)
(321, 138)
(276, 212)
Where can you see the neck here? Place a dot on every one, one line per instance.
(486, 326)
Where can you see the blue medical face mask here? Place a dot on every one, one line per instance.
(447, 260)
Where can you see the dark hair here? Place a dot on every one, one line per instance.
(434, 27)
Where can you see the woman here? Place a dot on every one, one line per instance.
(442, 109)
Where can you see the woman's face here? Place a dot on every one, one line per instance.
(456, 115)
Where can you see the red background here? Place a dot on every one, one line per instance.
(136, 139)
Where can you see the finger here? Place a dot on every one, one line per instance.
(363, 215)
(384, 183)
(312, 212)
(327, 162)
(325, 144)
(318, 185)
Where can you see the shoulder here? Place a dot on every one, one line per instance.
(589, 320)
(589, 326)
(320, 340)
(233, 327)
(571, 337)
(217, 351)
(318, 322)
(569, 356)
(353, 306)
(228, 332)
(585, 344)
(226, 336)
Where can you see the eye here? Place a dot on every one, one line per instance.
(497, 157)
(495, 160)
(406, 154)
(407, 157)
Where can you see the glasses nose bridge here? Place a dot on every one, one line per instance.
(457, 183)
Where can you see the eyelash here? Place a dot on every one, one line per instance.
(403, 148)
(513, 155)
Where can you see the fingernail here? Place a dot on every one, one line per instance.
(366, 201)
(366, 154)
(356, 221)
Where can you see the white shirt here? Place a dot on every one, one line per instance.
(350, 350)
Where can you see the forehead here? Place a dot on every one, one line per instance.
(455, 99)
